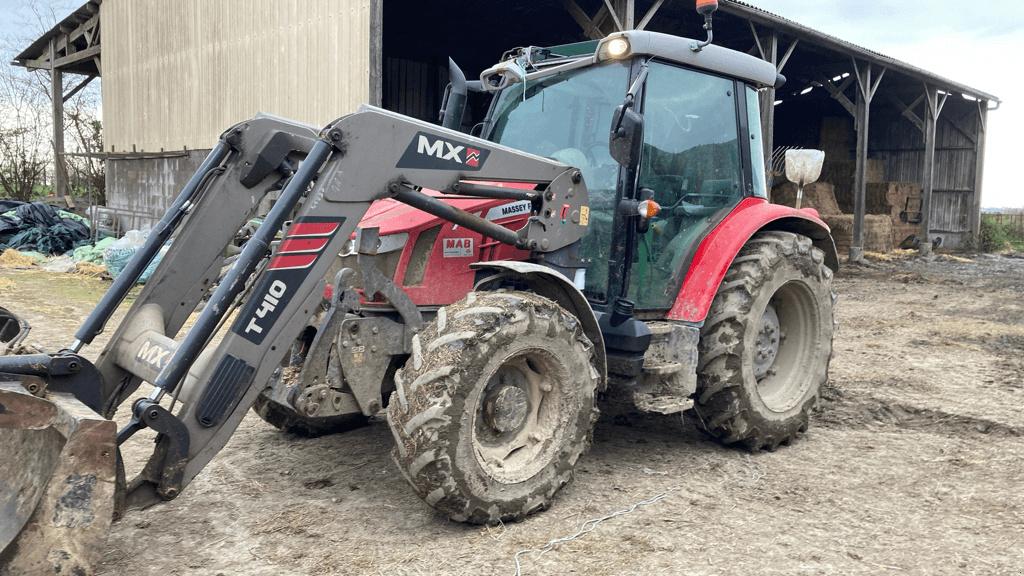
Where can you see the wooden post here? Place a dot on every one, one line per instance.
(860, 176)
(60, 185)
(933, 107)
(768, 102)
(865, 92)
(376, 93)
(979, 169)
(624, 13)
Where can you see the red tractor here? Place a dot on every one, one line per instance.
(609, 229)
(706, 295)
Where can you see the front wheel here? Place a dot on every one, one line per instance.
(494, 407)
(766, 344)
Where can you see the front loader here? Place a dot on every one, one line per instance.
(610, 229)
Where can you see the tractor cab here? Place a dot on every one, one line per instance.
(687, 123)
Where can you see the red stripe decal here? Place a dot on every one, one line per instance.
(312, 229)
(287, 262)
(302, 245)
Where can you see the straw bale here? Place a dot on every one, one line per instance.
(13, 258)
(818, 195)
(877, 232)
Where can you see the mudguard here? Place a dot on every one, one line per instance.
(716, 252)
(551, 284)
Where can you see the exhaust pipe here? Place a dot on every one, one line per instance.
(455, 95)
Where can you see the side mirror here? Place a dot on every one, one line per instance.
(803, 167)
(626, 136)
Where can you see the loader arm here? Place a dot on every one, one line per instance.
(328, 179)
(366, 156)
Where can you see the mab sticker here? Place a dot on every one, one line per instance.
(458, 247)
(430, 152)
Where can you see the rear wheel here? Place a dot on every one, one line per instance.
(767, 342)
(495, 406)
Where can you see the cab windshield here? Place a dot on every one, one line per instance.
(567, 117)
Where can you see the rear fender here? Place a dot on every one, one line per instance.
(718, 249)
(552, 285)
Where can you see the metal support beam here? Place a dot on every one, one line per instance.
(979, 168)
(865, 92)
(933, 107)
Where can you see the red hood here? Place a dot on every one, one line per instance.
(393, 217)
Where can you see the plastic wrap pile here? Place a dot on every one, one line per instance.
(40, 227)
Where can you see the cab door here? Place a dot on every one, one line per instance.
(696, 161)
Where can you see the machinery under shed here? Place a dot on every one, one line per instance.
(904, 147)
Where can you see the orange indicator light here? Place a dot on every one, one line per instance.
(648, 208)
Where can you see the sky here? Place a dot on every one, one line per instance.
(980, 44)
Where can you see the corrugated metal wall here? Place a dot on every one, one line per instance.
(176, 73)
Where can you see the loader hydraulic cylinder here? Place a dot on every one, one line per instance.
(452, 214)
(234, 281)
(136, 266)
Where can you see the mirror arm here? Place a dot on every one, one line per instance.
(698, 46)
(630, 98)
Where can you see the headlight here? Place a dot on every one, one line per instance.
(617, 47)
(613, 48)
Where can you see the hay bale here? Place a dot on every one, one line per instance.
(842, 175)
(15, 259)
(889, 199)
(90, 269)
(818, 195)
(877, 232)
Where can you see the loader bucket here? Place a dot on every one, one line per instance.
(13, 331)
(57, 482)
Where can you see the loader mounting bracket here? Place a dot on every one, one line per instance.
(174, 441)
(60, 372)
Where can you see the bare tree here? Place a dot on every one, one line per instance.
(26, 144)
(86, 169)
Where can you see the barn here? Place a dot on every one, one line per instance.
(904, 147)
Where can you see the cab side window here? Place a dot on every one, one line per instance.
(691, 161)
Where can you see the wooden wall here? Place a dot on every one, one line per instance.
(176, 73)
(899, 144)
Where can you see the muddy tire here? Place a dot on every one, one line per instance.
(495, 406)
(765, 347)
(285, 418)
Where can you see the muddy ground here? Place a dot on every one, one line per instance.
(914, 464)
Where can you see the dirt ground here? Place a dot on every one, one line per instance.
(914, 464)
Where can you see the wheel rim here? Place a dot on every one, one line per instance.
(767, 345)
(786, 337)
(516, 428)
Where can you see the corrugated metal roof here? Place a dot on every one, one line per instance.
(41, 47)
(797, 30)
